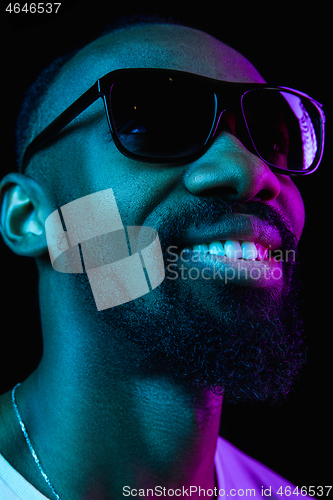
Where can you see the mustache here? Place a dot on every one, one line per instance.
(212, 211)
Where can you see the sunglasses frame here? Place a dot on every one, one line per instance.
(103, 87)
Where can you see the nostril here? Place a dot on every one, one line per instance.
(264, 195)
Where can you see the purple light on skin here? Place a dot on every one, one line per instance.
(309, 141)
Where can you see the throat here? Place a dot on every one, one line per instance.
(149, 432)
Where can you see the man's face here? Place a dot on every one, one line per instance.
(241, 333)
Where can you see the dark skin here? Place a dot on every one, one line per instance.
(96, 421)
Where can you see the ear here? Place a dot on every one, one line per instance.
(24, 209)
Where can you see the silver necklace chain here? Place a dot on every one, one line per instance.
(31, 448)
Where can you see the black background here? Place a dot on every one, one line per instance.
(290, 46)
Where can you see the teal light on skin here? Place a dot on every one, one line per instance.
(96, 419)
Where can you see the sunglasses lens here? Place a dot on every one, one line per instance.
(161, 117)
(285, 128)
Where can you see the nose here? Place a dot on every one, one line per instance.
(229, 171)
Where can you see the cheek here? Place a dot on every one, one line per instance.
(292, 205)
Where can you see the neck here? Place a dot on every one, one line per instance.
(98, 424)
(148, 432)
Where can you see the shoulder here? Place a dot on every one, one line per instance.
(236, 470)
(13, 486)
(12, 443)
(8, 431)
(6, 473)
(19, 476)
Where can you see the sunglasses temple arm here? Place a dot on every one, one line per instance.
(78, 106)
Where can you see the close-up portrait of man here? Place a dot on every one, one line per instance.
(161, 196)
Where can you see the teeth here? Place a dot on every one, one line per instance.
(216, 248)
(260, 251)
(200, 248)
(249, 250)
(232, 249)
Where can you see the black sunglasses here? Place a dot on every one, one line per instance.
(173, 117)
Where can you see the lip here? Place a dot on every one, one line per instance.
(240, 227)
(209, 268)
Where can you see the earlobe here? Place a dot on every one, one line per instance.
(24, 208)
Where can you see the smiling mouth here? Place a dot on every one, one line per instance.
(243, 262)
(240, 248)
(232, 249)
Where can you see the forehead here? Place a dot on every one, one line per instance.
(171, 47)
(153, 46)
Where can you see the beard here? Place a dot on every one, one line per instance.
(243, 342)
